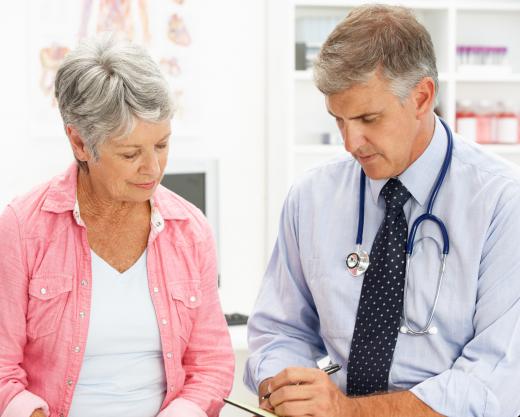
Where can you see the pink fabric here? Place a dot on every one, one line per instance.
(23, 404)
(45, 277)
(182, 408)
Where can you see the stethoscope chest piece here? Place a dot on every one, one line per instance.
(357, 262)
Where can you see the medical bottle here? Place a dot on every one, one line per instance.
(507, 123)
(466, 120)
(486, 121)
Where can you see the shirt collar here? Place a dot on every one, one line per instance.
(417, 177)
(61, 197)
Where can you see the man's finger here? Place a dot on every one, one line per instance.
(287, 393)
(294, 376)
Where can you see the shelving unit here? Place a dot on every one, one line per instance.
(297, 117)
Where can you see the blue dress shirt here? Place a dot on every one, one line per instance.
(307, 305)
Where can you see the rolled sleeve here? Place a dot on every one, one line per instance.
(180, 407)
(456, 393)
(24, 404)
(283, 329)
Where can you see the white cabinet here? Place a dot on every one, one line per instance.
(298, 123)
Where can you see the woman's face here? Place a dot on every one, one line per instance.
(130, 168)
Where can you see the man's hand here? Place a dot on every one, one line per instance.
(38, 413)
(305, 392)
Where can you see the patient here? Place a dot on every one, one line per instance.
(108, 290)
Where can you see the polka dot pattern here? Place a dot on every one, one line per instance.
(381, 302)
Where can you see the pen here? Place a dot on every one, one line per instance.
(329, 370)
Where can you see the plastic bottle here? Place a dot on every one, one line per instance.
(507, 123)
(486, 122)
(466, 120)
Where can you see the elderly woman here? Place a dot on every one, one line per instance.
(108, 296)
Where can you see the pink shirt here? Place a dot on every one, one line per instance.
(45, 292)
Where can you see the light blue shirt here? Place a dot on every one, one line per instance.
(307, 305)
(122, 372)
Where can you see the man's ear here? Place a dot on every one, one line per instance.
(424, 96)
(76, 142)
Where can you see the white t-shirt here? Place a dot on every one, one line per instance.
(123, 371)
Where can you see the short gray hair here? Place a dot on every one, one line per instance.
(376, 37)
(105, 84)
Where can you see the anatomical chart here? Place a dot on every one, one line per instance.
(167, 28)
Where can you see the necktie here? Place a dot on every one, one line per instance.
(381, 301)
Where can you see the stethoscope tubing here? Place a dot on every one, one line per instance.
(428, 215)
(425, 216)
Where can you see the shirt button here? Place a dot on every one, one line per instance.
(69, 382)
(77, 349)
(169, 355)
(84, 282)
(155, 289)
(193, 298)
(172, 388)
(164, 321)
(43, 291)
(81, 314)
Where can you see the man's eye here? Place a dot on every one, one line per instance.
(368, 119)
(129, 156)
(162, 146)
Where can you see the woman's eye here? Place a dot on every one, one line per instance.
(162, 146)
(129, 156)
(368, 119)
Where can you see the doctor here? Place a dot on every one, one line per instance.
(414, 337)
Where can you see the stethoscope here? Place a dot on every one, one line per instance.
(359, 260)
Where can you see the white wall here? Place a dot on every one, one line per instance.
(232, 129)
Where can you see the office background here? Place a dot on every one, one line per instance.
(252, 120)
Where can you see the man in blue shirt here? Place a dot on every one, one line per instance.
(378, 73)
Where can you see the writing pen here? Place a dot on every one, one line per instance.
(329, 370)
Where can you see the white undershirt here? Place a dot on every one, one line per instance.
(123, 371)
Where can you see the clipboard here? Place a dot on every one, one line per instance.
(258, 412)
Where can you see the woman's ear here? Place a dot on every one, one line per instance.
(76, 142)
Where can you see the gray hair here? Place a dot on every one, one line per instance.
(104, 85)
(376, 38)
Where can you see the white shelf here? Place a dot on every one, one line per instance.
(306, 75)
(499, 6)
(491, 78)
(417, 4)
(503, 149)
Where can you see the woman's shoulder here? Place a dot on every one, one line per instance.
(43, 201)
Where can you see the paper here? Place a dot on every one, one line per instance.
(254, 410)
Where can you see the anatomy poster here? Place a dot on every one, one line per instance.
(167, 28)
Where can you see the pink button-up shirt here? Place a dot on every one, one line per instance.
(45, 292)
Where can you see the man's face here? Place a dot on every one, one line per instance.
(377, 128)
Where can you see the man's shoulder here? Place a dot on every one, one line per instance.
(482, 166)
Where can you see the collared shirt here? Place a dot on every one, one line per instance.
(308, 301)
(45, 303)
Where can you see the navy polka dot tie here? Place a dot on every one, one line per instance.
(381, 301)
